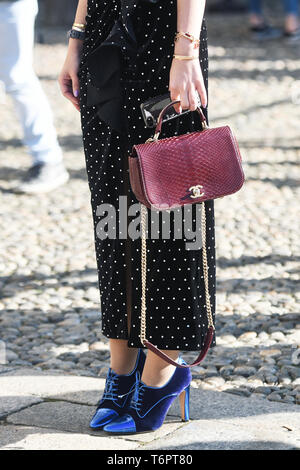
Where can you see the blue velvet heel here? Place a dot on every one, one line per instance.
(116, 396)
(149, 405)
(184, 398)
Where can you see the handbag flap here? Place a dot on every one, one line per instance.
(192, 167)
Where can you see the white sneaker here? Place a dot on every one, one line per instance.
(43, 177)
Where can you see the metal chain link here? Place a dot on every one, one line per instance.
(205, 267)
(144, 214)
(144, 270)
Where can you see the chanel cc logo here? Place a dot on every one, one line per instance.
(196, 191)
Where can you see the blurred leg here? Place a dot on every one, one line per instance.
(260, 27)
(256, 13)
(16, 72)
(291, 8)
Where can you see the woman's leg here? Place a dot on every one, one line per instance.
(157, 371)
(256, 12)
(259, 25)
(291, 8)
(122, 358)
(20, 81)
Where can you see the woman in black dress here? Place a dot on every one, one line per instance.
(124, 57)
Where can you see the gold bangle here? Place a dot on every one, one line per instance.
(81, 30)
(79, 25)
(185, 57)
(187, 35)
(190, 37)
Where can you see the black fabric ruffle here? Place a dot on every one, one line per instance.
(105, 66)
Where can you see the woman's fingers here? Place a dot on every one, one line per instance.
(186, 81)
(200, 87)
(184, 98)
(193, 102)
(181, 95)
(188, 99)
(75, 90)
(67, 89)
(175, 95)
(75, 85)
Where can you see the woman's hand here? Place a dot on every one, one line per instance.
(185, 81)
(186, 78)
(68, 77)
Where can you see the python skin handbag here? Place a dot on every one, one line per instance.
(184, 169)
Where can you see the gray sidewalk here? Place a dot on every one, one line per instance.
(51, 411)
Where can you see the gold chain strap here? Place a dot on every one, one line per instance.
(205, 267)
(144, 214)
(144, 270)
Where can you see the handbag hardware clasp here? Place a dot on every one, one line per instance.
(196, 191)
(154, 138)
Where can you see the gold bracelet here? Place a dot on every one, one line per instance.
(79, 25)
(190, 37)
(81, 30)
(185, 57)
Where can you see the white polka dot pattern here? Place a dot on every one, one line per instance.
(176, 313)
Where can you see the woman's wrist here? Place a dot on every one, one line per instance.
(184, 47)
(75, 45)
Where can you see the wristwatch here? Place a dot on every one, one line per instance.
(74, 34)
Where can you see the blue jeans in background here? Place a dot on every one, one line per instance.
(18, 79)
(291, 7)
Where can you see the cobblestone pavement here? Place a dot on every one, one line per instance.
(50, 303)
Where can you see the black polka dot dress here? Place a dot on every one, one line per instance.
(126, 59)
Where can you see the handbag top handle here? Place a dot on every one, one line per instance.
(161, 114)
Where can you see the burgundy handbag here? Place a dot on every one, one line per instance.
(184, 169)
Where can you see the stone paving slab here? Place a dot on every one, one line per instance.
(70, 417)
(11, 403)
(209, 404)
(218, 420)
(220, 435)
(54, 385)
(227, 422)
(69, 410)
(35, 438)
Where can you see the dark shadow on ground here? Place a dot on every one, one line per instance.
(258, 285)
(248, 260)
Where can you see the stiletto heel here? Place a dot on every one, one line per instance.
(184, 399)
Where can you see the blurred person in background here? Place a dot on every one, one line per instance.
(227, 6)
(17, 19)
(263, 30)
